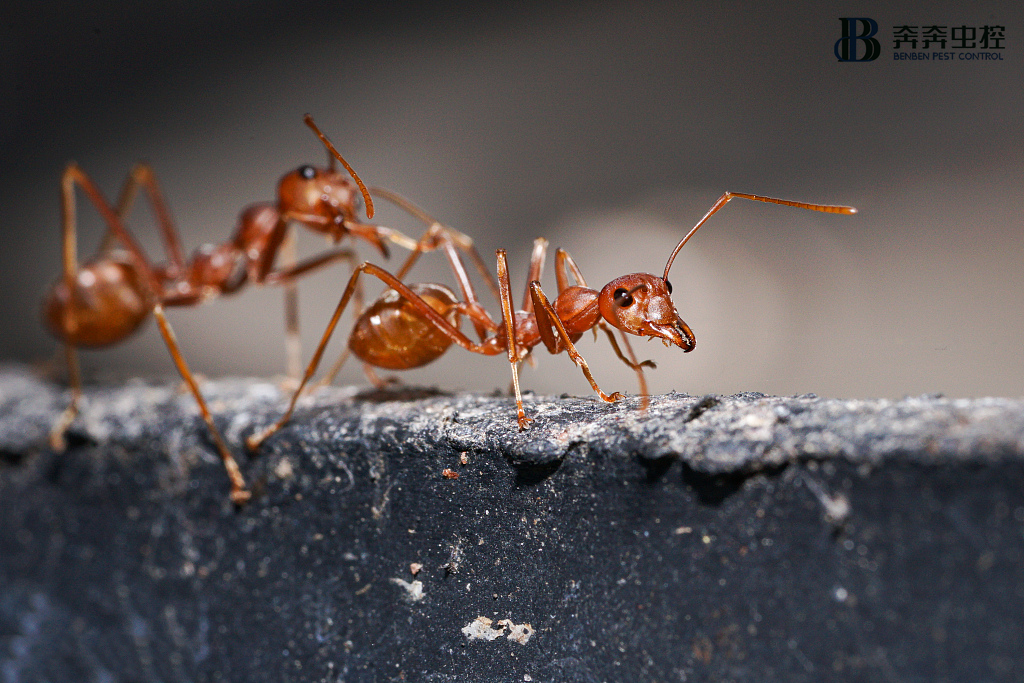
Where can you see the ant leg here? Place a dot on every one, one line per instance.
(239, 493)
(269, 249)
(537, 258)
(631, 362)
(70, 262)
(142, 175)
(292, 338)
(421, 306)
(284, 276)
(375, 379)
(57, 441)
(315, 263)
(281, 240)
(508, 319)
(288, 275)
(548, 318)
(124, 205)
(254, 440)
(75, 175)
(371, 233)
(436, 232)
(448, 240)
(482, 322)
(474, 256)
(332, 373)
(328, 378)
(70, 233)
(564, 264)
(368, 371)
(376, 234)
(439, 236)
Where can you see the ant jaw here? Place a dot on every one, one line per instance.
(678, 334)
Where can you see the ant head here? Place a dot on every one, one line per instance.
(321, 192)
(641, 304)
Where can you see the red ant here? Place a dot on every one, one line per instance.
(107, 299)
(412, 325)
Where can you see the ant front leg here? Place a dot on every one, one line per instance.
(547, 318)
(631, 361)
(564, 266)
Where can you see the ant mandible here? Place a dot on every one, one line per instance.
(412, 325)
(107, 299)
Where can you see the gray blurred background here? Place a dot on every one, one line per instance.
(608, 127)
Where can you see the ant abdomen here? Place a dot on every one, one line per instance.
(103, 305)
(392, 334)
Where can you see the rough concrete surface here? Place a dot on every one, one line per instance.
(413, 535)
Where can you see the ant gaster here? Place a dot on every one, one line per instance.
(412, 325)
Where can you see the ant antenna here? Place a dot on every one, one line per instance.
(327, 143)
(724, 199)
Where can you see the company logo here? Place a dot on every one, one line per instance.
(965, 43)
(846, 47)
(927, 42)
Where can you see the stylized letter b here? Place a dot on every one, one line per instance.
(846, 47)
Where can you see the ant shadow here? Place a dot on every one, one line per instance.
(711, 489)
(398, 392)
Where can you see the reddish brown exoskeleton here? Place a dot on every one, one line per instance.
(105, 300)
(412, 325)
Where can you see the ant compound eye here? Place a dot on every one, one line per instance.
(668, 286)
(623, 298)
(307, 172)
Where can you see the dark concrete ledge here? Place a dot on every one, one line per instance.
(418, 536)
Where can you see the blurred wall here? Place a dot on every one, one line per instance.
(607, 127)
